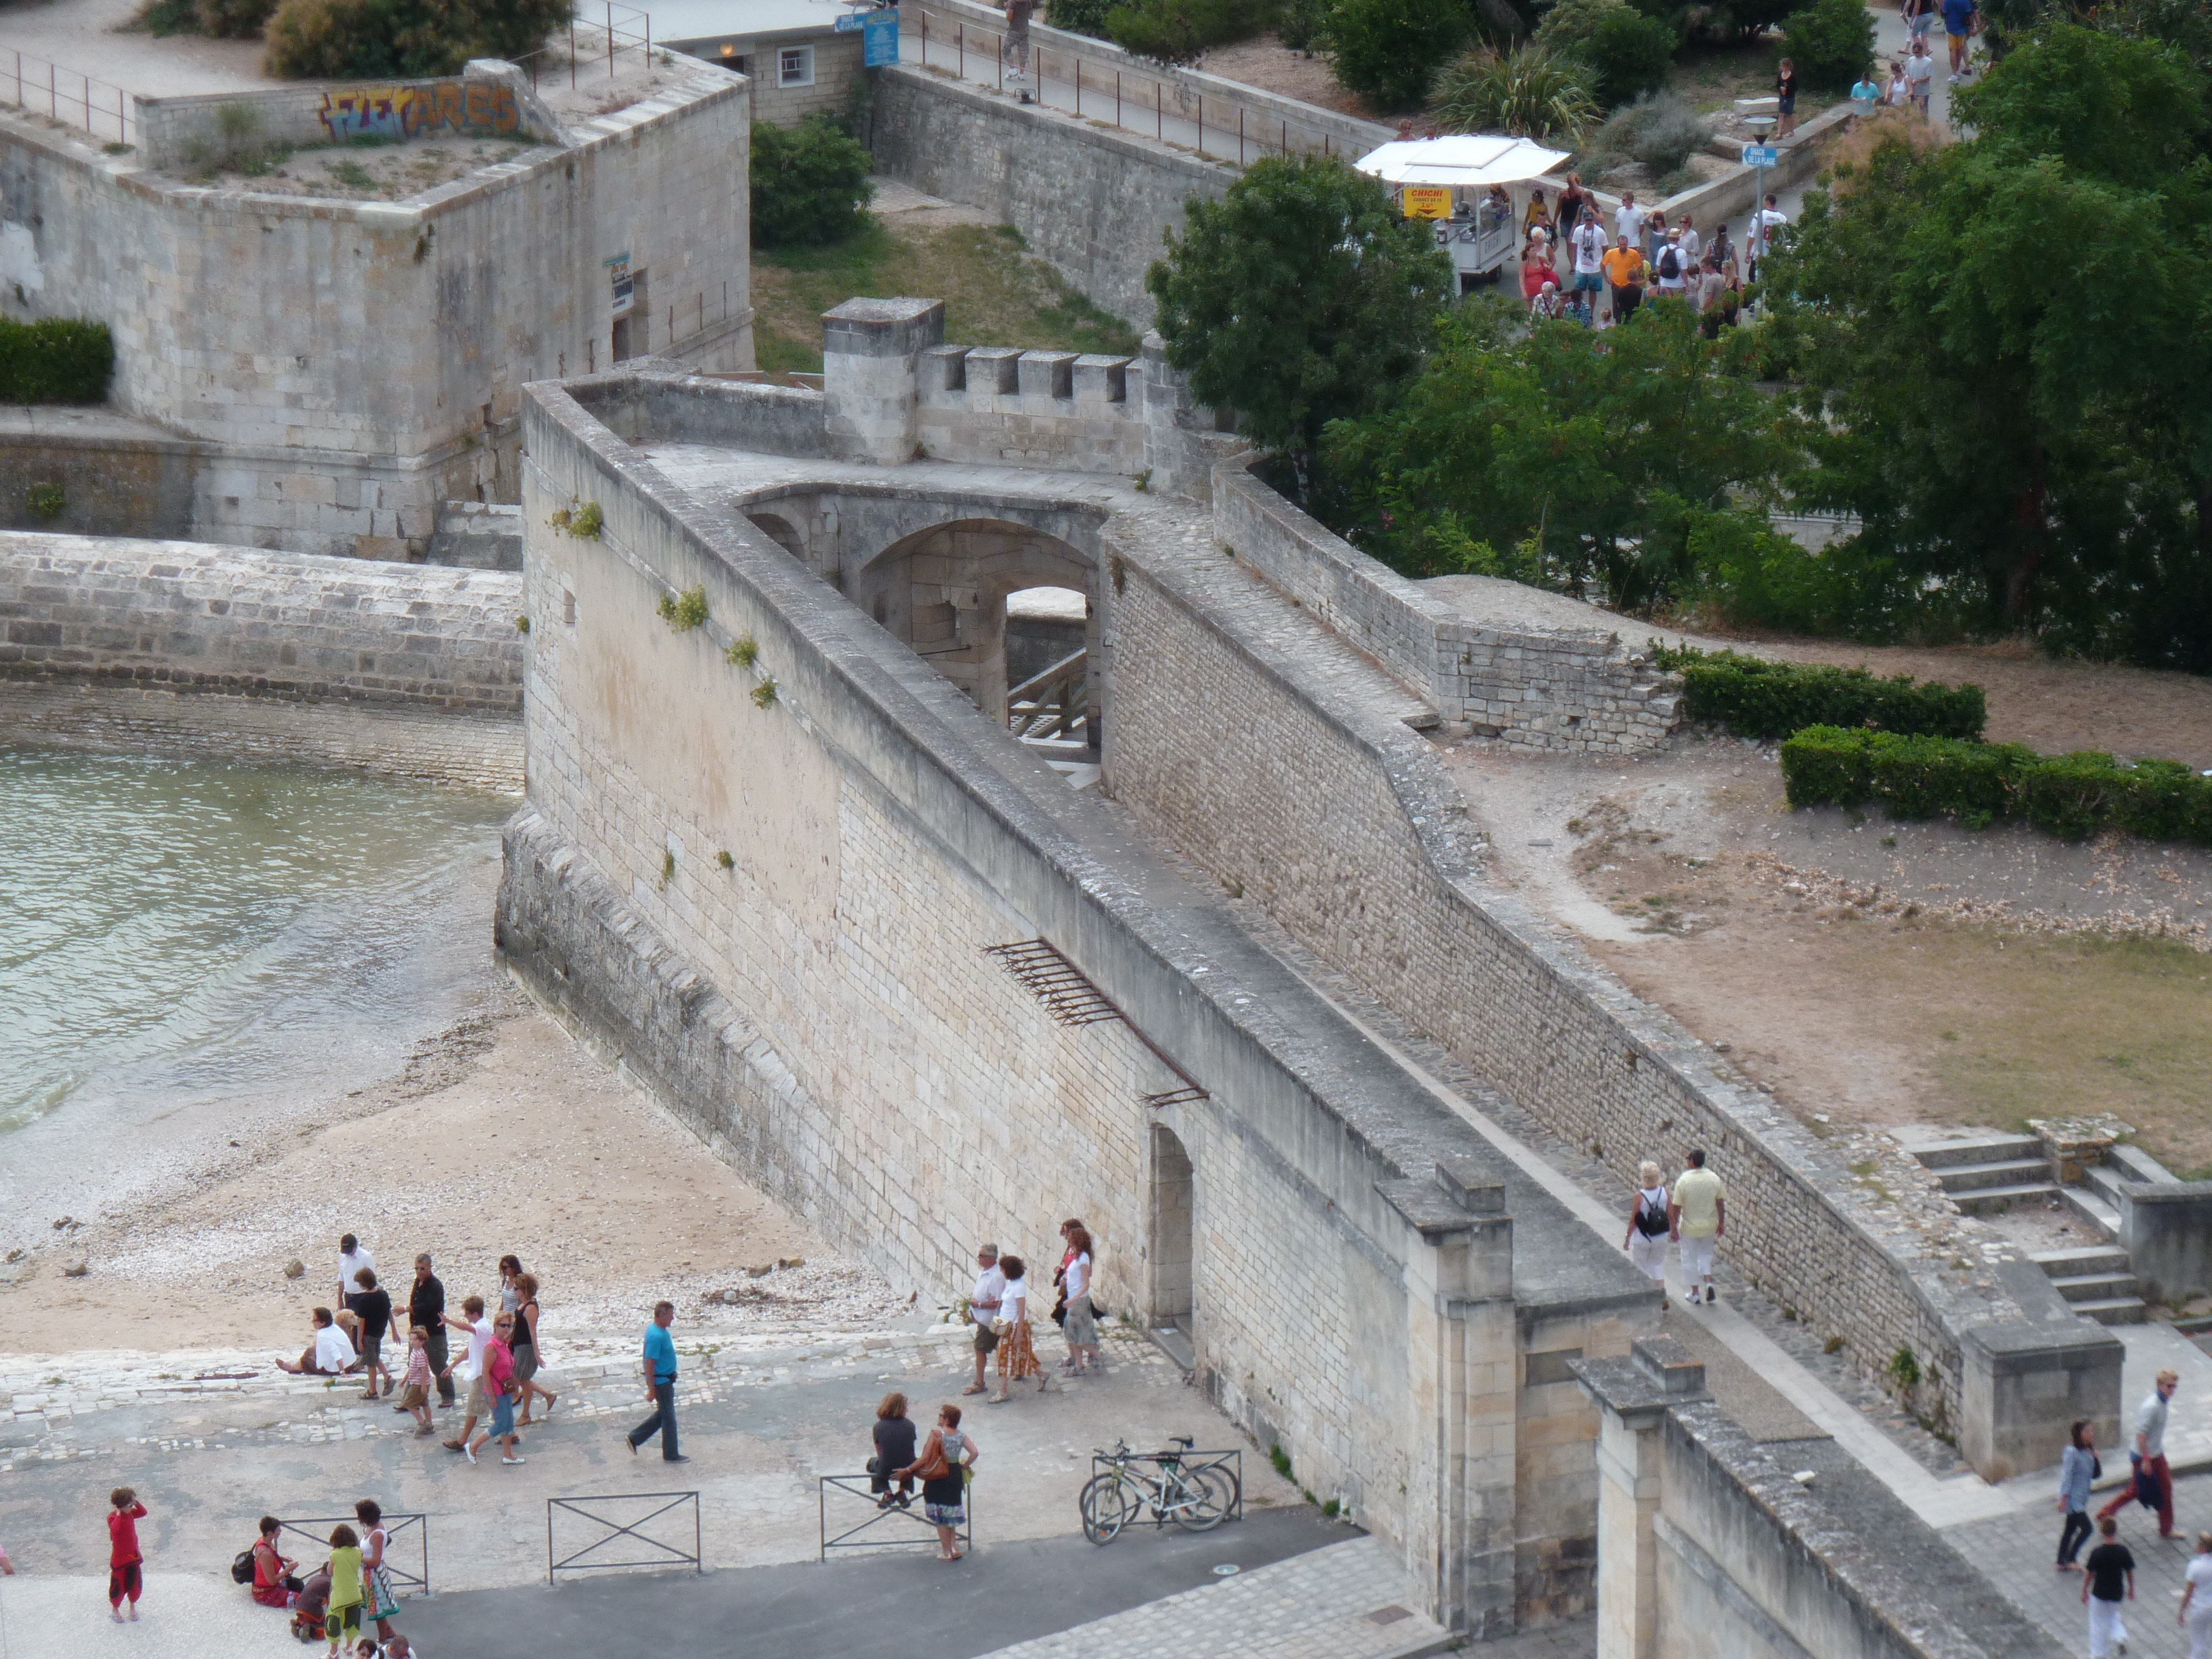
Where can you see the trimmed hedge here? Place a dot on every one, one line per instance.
(1755, 698)
(55, 360)
(2070, 796)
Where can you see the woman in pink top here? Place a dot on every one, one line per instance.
(500, 1389)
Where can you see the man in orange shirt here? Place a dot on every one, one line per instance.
(1624, 274)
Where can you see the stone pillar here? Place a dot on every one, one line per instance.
(1633, 1396)
(871, 393)
(1463, 1352)
(2024, 1383)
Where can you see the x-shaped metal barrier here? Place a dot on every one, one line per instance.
(407, 1533)
(906, 1524)
(659, 1554)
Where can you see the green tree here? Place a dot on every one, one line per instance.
(810, 183)
(1832, 42)
(1583, 462)
(349, 39)
(1530, 93)
(1627, 51)
(1389, 52)
(2025, 432)
(1299, 298)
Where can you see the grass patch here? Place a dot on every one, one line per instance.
(995, 292)
(2049, 1028)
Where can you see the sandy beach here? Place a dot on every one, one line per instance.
(502, 1134)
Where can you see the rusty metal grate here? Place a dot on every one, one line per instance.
(1177, 1096)
(1055, 982)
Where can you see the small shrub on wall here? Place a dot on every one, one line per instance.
(55, 360)
(1756, 698)
(810, 183)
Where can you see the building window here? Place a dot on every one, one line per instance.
(795, 66)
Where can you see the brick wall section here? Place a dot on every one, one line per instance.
(1580, 692)
(1233, 751)
(1074, 411)
(184, 615)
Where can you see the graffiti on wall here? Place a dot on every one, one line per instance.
(477, 108)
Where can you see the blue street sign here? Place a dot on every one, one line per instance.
(1760, 155)
(880, 38)
(851, 21)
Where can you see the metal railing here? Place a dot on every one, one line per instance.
(905, 1525)
(623, 28)
(399, 1532)
(610, 1529)
(62, 95)
(1113, 95)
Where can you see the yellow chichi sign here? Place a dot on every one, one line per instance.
(1428, 201)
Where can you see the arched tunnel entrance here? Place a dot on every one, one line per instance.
(944, 591)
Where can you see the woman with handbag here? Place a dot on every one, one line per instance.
(942, 1468)
(1080, 1326)
(1017, 1355)
(375, 1577)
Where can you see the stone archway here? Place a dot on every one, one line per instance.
(1168, 1262)
(780, 530)
(944, 591)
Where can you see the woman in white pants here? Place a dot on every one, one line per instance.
(1646, 1239)
(2197, 1600)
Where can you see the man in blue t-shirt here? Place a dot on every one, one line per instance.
(660, 1369)
(1959, 17)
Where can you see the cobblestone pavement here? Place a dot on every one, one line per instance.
(2016, 1556)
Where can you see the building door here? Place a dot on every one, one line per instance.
(1170, 1243)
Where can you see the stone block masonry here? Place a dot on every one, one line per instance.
(769, 888)
(349, 366)
(1329, 811)
(184, 616)
(1575, 691)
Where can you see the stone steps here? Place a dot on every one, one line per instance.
(2098, 1281)
(1989, 1200)
(2116, 1310)
(1975, 1149)
(1956, 1178)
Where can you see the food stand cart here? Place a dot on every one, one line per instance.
(1443, 180)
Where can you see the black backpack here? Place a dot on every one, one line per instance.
(241, 1569)
(1670, 264)
(1651, 1220)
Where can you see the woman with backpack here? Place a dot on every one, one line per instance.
(1646, 1243)
(273, 1575)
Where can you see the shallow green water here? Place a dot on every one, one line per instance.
(173, 930)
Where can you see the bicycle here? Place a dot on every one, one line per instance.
(1197, 1499)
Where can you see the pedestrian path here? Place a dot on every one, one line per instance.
(1347, 1601)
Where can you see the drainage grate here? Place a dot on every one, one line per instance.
(1055, 982)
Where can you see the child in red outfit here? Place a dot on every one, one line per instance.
(123, 1560)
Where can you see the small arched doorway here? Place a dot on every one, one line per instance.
(780, 530)
(1167, 1262)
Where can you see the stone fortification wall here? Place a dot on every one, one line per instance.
(117, 478)
(488, 100)
(1092, 200)
(1339, 819)
(361, 362)
(1709, 1545)
(1578, 690)
(822, 1009)
(184, 615)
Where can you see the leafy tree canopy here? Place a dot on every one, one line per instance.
(1300, 298)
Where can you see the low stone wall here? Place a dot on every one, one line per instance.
(1579, 691)
(1709, 1545)
(1092, 200)
(113, 482)
(186, 616)
(388, 740)
(1340, 822)
(2167, 1233)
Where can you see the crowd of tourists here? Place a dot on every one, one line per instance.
(1569, 261)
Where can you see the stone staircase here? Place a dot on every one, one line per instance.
(1986, 1174)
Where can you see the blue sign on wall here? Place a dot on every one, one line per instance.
(879, 38)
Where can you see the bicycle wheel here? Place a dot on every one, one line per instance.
(1105, 1505)
(1225, 1475)
(1203, 1502)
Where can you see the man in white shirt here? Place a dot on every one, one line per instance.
(983, 1303)
(1919, 70)
(352, 1258)
(1628, 219)
(1589, 240)
(470, 1364)
(1759, 238)
(1669, 267)
(329, 1355)
(2149, 1453)
(1693, 247)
